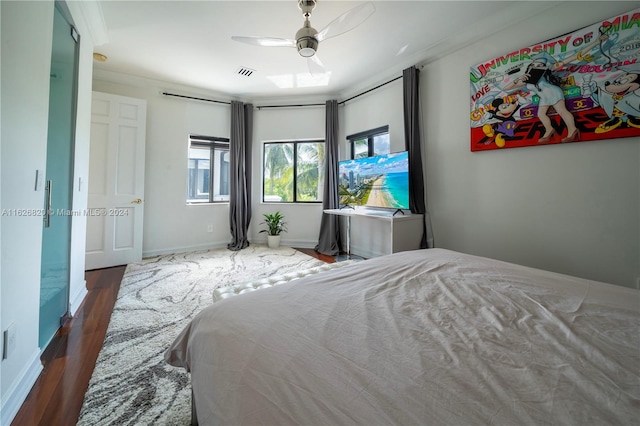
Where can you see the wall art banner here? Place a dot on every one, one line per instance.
(581, 86)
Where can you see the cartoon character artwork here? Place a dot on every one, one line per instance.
(503, 124)
(620, 99)
(581, 86)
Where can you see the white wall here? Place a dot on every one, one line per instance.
(383, 106)
(572, 208)
(25, 94)
(26, 57)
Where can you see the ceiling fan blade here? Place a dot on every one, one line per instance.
(265, 41)
(315, 65)
(347, 21)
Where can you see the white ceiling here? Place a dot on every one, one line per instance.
(189, 42)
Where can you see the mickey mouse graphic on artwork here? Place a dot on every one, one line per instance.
(503, 111)
(620, 99)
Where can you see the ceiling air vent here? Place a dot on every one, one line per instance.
(245, 71)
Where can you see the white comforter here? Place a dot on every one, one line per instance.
(418, 338)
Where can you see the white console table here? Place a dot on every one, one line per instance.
(379, 232)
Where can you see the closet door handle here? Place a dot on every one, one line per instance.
(47, 213)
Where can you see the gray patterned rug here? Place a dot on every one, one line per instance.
(131, 383)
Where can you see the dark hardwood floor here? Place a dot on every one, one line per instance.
(56, 397)
(311, 252)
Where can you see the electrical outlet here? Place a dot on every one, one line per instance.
(210, 228)
(8, 341)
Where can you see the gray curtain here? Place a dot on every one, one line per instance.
(329, 239)
(413, 138)
(240, 174)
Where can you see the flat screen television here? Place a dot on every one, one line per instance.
(380, 181)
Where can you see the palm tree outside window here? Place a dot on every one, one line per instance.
(293, 171)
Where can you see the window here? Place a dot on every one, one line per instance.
(370, 143)
(208, 170)
(293, 172)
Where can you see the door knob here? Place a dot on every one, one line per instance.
(137, 201)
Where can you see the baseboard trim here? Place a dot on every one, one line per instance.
(76, 300)
(262, 240)
(296, 243)
(17, 394)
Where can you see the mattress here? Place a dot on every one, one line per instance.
(418, 338)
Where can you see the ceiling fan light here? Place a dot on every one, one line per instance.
(307, 46)
(307, 52)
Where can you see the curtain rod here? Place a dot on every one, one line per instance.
(197, 99)
(340, 103)
(370, 90)
(287, 106)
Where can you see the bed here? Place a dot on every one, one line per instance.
(426, 337)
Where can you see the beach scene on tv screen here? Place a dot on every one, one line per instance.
(381, 181)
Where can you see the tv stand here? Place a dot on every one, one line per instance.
(398, 211)
(379, 232)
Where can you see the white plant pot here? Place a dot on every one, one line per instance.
(273, 241)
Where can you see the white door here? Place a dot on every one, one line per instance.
(116, 181)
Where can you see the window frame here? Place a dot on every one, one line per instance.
(369, 135)
(213, 144)
(295, 143)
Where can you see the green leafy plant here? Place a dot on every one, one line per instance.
(275, 223)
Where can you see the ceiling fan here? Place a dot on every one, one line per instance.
(308, 38)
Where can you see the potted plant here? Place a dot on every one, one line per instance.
(275, 226)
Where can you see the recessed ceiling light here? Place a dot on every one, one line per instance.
(99, 57)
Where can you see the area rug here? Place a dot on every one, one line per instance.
(131, 384)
